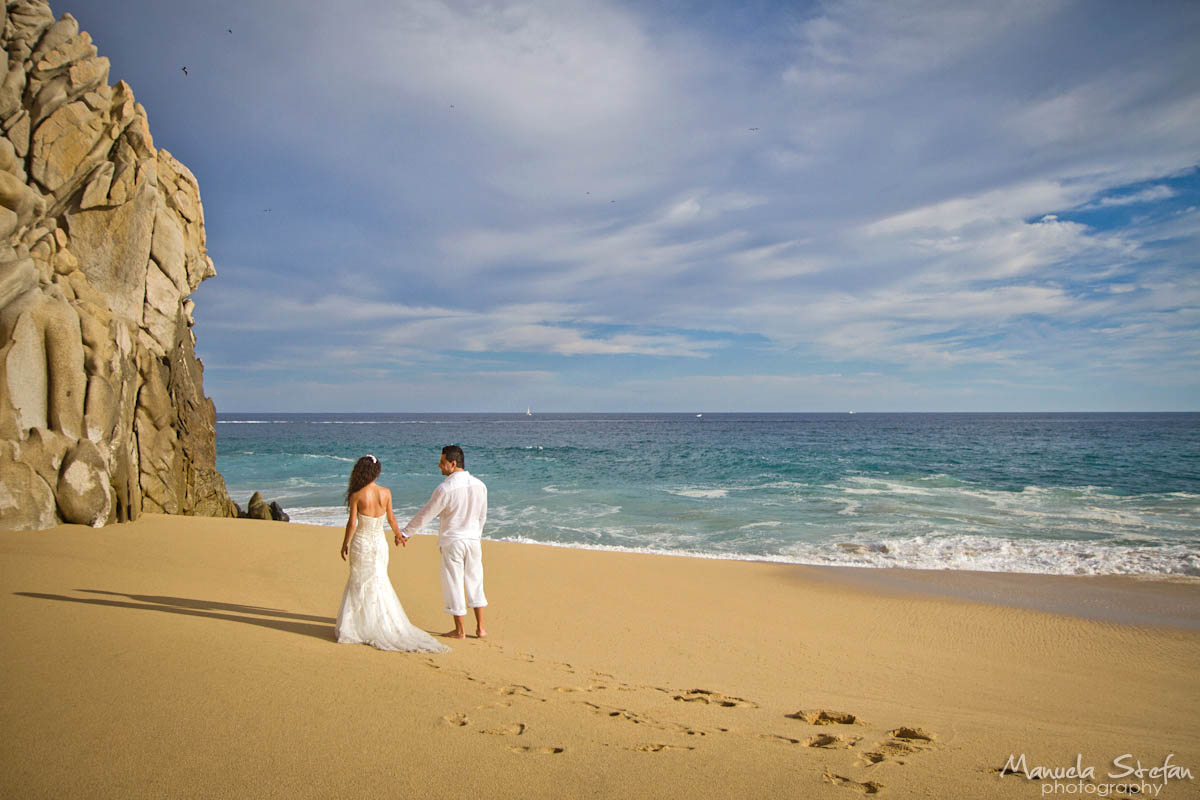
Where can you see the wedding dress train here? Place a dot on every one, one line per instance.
(371, 613)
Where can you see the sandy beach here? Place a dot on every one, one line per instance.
(194, 657)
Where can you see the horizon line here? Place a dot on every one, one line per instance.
(693, 412)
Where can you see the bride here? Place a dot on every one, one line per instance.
(371, 613)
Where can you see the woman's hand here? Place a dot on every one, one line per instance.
(345, 549)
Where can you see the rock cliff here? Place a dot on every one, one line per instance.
(102, 408)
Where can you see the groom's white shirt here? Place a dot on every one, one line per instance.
(461, 500)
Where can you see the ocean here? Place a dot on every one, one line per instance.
(1043, 493)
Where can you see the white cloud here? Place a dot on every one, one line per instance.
(1005, 204)
(1149, 195)
(904, 200)
(395, 334)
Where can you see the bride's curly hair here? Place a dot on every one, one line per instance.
(366, 469)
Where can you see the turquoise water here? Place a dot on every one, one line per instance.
(1051, 493)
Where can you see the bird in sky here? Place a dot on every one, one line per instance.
(752, 129)
(184, 70)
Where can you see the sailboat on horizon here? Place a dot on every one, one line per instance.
(528, 413)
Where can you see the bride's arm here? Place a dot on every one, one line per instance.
(391, 517)
(350, 525)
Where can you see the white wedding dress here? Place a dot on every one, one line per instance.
(371, 613)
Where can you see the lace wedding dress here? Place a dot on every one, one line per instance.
(371, 613)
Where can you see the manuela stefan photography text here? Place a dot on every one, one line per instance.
(1128, 776)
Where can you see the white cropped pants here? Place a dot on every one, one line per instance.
(462, 568)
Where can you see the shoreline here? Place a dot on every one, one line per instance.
(1149, 597)
(882, 548)
(1154, 600)
(608, 674)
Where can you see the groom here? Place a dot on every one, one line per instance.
(461, 501)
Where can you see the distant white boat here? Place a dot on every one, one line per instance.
(528, 413)
(699, 415)
(849, 412)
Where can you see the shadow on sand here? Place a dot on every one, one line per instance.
(303, 624)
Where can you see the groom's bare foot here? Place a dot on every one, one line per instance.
(480, 633)
(453, 635)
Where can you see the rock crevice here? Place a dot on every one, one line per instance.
(102, 406)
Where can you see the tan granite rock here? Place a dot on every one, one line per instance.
(84, 491)
(102, 406)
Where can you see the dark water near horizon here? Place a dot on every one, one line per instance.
(1050, 493)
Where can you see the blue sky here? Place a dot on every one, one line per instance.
(661, 206)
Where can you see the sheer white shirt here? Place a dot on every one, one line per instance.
(461, 503)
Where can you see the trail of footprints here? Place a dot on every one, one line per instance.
(896, 747)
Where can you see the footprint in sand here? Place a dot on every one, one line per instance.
(866, 787)
(620, 713)
(822, 717)
(457, 720)
(713, 698)
(904, 742)
(658, 748)
(831, 741)
(824, 741)
(1002, 771)
(515, 729)
(640, 719)
(518, 689)
(774, 737)
(542, 750)
(595, 687)
(911, 734)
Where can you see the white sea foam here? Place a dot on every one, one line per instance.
(704, 494)
(996, 554)
(1051, 558)
(851, 507)
(334, 516)
(950, 552)
(776, 485)
(874, 485)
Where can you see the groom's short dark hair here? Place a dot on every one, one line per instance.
(454, 453)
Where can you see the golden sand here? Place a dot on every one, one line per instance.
(192, 657)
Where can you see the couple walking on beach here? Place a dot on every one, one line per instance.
(371, 612)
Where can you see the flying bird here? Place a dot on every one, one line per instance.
(752, 129)
(184, 70)
(229, 30)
